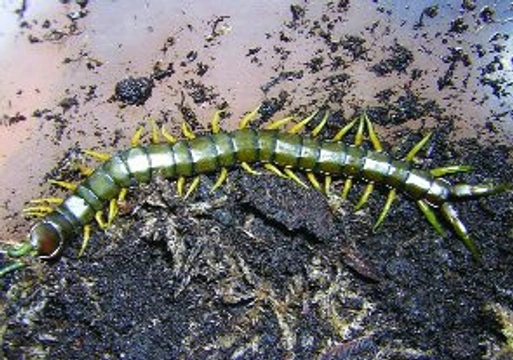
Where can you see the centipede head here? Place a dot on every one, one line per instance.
(46, 239)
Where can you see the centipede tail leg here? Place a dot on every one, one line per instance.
(465, 190)
(449, 170)
(431, 217)
(451, 215)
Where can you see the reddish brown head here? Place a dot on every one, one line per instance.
(46, 239)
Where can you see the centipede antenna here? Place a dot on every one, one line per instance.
(21, 250)
(373, 136)
(431, 217)
(11, 268)
(248, 168)
(451, 215)
(365, 196)
(300, 125)
(413, 152)
(247, 118)
(275, 170)
(136, 138)
(347, 187)
(220, 179)
(294, 177)
(169, 138)
(278, 123)
(392, 195)
(313, 180)
(97, 155)
(85, 241)
(187, 131)
(449, 170)
(64, 184)
(154, 131)
(327, 184)
(342, 132)
(215, 121)
(320, 126)
(180, 183)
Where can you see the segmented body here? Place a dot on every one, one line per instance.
(209, 153)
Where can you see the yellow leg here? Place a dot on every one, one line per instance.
(39, 211)
(358, 140)
(215, 122)
(373, 137)
(411, 154)
(327, 184)
(136, 138)
(313, 180)
(323, 122)
(99, 219)
(347, 187)
(294, 177)
(64, 184)
(220, 180)
(97, 155)
(275, 170)
(169, 138)
(194, 186)
(365, 196)
(278, 123)
(113, 211)
(244, 122)
(51, 200)
(154, 131)
(342, 132)
(180, 183)
(187, 131)
(300, 125)
(392, 195)
(122, 194)
(84, 170)
(85, 241)
(249, 169)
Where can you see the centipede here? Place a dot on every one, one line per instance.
(290, 153)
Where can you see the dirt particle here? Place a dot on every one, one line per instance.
(134, 91)
(161, 72)
(487, 14)
(458, 26)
